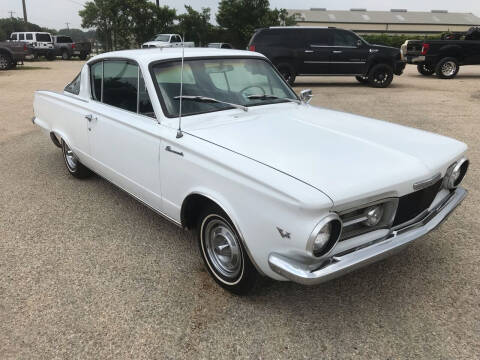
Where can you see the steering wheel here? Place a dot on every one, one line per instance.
(249, 87)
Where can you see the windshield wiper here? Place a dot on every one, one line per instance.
(210, 100)
(272, 97)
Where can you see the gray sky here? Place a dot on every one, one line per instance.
(55, 13)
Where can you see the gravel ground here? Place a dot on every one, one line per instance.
(88, 272)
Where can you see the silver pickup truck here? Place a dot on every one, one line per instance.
(166, 41)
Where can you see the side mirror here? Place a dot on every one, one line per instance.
(359, 43)
(306, 95)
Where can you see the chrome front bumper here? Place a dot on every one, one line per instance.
(340, 265)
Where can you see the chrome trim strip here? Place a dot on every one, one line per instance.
(336, 266)
(318, 227)
(426, 183)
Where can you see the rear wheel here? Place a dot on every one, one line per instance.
(223, 253)
(425, 69)
(83, 56)
(65, 55)
(447, 68)
(74, 166)
(362, 79)
(287, 72)
(380, 76)
(50, 56)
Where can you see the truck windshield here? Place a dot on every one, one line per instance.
(246, 82)
(164, 38)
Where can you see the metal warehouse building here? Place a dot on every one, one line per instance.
(395, 21)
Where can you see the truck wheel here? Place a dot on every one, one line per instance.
(83, 56)
(223, 253)
(425, 69)
(74, 166)
(287, 72)
(447, 68)
(362, 79)
(50, 56)
(380, 75)
(5, 62)
(65, 55)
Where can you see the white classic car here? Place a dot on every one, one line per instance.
(272, 185)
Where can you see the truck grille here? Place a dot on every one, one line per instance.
(412, 205)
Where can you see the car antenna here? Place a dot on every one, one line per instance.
(179, 130)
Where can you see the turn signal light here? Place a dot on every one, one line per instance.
(425, 49)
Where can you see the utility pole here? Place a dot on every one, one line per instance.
(67, 23)
(24, 11)
(11, 14)
(158, 2)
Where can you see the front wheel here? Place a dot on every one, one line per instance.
(287, 72)
(425, 69)
(4, 62)
(362, 79)
(380, 76)
(65, 55)
(223, 252)
(447, 68)
(74, 166)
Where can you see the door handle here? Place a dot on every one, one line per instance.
(309, 51)
(169, 149)
(337, 51)
(89, 117)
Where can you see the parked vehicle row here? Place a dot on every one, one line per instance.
(263, 178)
(444, 57)
(48, 46)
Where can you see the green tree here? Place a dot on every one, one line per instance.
(195, 26)
(240, 18)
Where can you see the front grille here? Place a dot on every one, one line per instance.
(412, 205)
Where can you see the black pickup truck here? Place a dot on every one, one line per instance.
(11, 53)
(444, 57)
(313, 51)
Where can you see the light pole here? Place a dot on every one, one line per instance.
(24, 11)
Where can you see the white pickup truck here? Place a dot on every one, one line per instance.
(166, 41)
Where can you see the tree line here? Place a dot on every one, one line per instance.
(124, 24)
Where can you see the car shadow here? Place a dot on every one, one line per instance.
(343, 84)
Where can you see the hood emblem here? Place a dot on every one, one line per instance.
(283, 233)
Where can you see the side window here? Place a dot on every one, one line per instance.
(120, 84)
(21, 37)
(13, 37)
(344, 38)
(317, 37)
(96, 74)
(74, 86)
(177, 39)
(29, 36)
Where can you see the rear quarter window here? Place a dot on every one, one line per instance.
(278, 38)
(29, 36)
(74, 86)
(43, 38)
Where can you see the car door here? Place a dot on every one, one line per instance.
(316, 53)
(349, 54)
(124, 135)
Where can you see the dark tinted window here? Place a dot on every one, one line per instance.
(344, 38)
(44, 38)
(96, 73)
(74, 86)
(21, 37)
(319, 37)
(277, 37)
(29, 36)
(13, 37)
(120, 82)
(64, 39)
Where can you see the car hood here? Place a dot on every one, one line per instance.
(343, 155)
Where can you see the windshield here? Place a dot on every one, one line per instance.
(164, 38)
(227, 80)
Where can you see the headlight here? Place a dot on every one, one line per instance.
(456, 173)
(325, 235)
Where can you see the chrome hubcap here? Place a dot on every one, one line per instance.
(449, 68)
(70, 158)
(223, 249)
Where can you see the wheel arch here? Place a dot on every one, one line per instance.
(378, 59)
(191, 206)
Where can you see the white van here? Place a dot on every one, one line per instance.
(40, 43)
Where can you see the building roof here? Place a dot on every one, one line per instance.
(395, 16)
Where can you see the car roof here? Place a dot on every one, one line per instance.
(146, 56)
